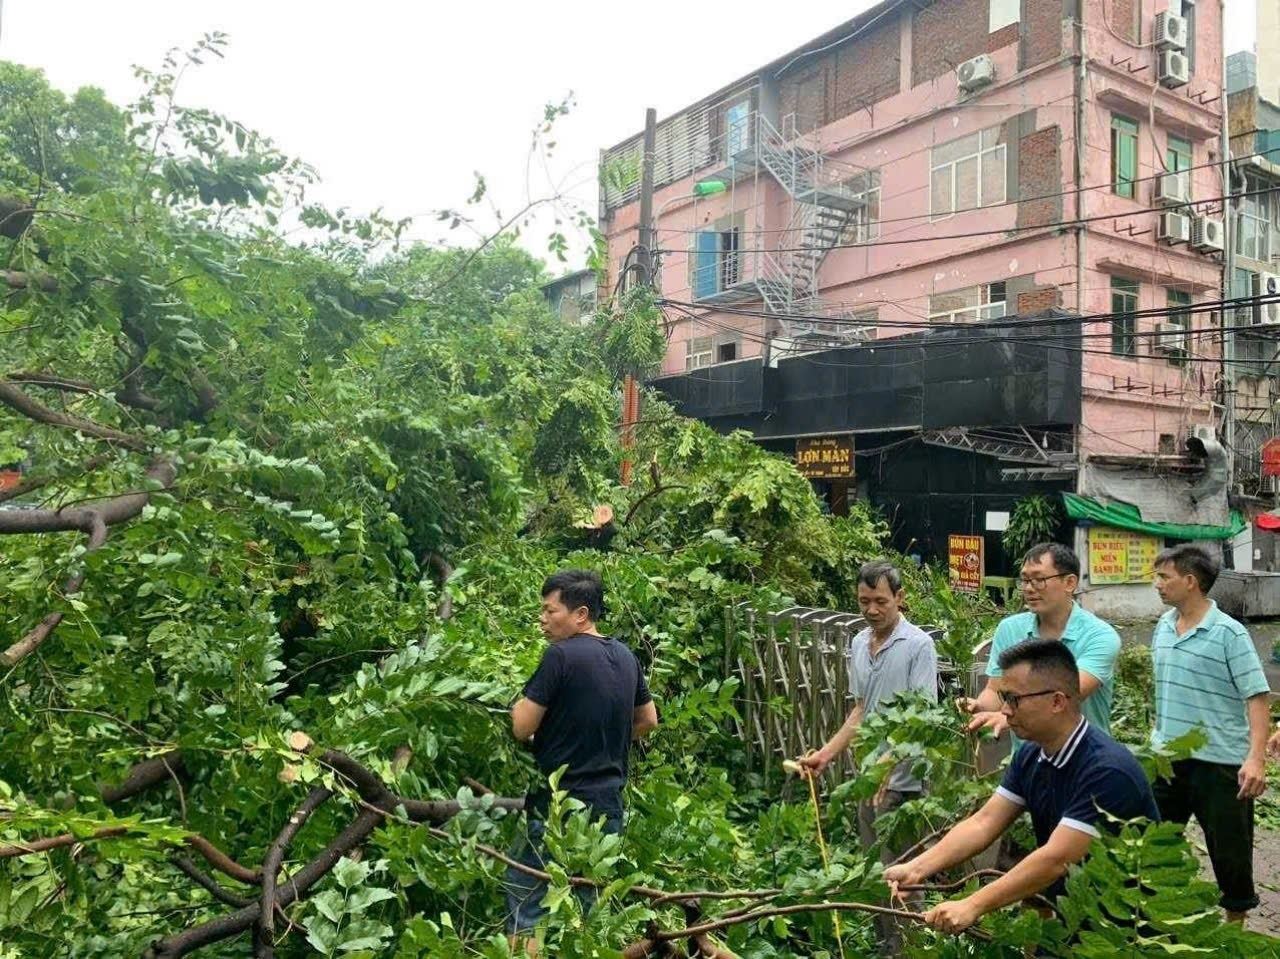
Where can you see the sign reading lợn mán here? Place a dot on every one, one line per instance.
(825, 457)
(965, 562)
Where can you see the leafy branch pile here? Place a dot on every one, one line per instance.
(271, 570)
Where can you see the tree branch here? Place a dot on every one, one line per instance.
(92, 519)
(208, 883)
(271, 867)
(143, 776)
(13, 397)
(57, 842)
(232, 924)
(220, 861)
(130, 394)
(17, 280)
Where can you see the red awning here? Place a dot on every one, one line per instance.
(1268, 521)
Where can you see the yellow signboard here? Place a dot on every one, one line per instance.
(1118, 556)
(965, 562)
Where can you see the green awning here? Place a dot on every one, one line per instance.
(1124, 516)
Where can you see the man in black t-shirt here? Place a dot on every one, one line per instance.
(581, 710)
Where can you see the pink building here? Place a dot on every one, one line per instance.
(961, 162)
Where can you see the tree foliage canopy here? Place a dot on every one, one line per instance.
(283, 514)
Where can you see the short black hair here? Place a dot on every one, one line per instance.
(1048, 658)
(577, 587)
(880, 569)
(1194, 560)
(1065, 560)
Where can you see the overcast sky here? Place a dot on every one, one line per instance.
(397, 104)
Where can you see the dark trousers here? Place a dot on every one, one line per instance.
(888, 929)
(524, 892)
(1208, 791)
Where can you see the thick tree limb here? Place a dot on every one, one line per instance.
(130, 394)
(271, 867)
(57, 842)
(444, 611)
(233, 924)
(12, 395)
(208, 883)
(15, 216)
(93, 519)
(220, 861)
(17, 280)
(143, 776)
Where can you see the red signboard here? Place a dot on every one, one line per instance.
(1271, 457)
(965, 561)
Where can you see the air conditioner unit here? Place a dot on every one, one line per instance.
(1174, 188)
(1204, 432)
(976, 73)
(1171, 338)
(1206, 234)
(1266, 285)
(1174, 228)
(1173, 69)
(1170, 32)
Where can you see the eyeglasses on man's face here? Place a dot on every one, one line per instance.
(1038, 582)
(1013, 699)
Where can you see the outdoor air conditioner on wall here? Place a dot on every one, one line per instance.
(976, 73)
(1174, 228)
(1267, 285)
(1173, 69)
(1204, 432)
(1170, 338)
(1174, 188)
(1206, 234)
(1170, 32)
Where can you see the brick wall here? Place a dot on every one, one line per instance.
(1039, 174)
(850, 77)
(866, 70)
(1041, 32)
(1044, 298)
(946, 34)
(1124, 18)
(1003, 37)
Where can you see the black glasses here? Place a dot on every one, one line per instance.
(1013, 699)
(1027, 582)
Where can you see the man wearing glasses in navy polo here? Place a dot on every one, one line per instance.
(1072, 778)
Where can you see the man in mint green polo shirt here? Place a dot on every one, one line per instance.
(1208, 675)
(1049, 578)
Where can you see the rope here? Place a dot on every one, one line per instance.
(812, 778)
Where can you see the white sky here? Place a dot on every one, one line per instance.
(397, 103)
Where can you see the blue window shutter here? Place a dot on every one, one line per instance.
(706, 276)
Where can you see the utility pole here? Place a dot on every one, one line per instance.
(644, 262)
(1228, 280)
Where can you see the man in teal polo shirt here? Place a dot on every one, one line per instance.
(1208, 675)
(1049, 578)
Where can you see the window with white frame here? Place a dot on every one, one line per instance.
(985, 302)
(698, 353)
(967, 173)
(864, 220)
(1179, 302)
(1254, 221)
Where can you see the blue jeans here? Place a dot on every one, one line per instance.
(525, 892)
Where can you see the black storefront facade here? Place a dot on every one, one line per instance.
(949, 427)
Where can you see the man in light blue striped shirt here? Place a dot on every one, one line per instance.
(1208, 676)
